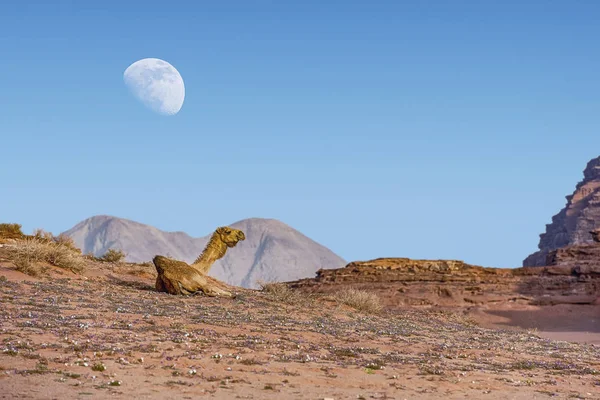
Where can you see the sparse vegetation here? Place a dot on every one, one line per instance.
(41, 234)
(251, 361)
(360, 300)
(27, 254)
(375, 366)
(113, 256)
(10, 231)
(64, 257)
(281, 292)
(113, 319)
(98, 367)
(180, 339)
(62, 239)
(67, 241)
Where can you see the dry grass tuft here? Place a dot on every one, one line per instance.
(64, 257)
(10, 231)
(62, 239)
(281, 292)
(43, 235)
(28, 252)
(67, 241)
(360, 300)
(113, 256)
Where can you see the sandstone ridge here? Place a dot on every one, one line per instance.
(453, 283)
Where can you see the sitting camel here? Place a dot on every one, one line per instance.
(178, 277)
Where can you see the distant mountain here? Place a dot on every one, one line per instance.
(272, 251)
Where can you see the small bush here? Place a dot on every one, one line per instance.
(67, 241)
(360, 300)
(29, 268)
(43, 235)
(36, 249)
(10, 231)
(113, 255)
(64, 257)
(280, 292)
(61, 239)
(98, 367)
(26, 254)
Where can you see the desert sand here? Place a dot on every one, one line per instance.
(106, 333)
(566, 322)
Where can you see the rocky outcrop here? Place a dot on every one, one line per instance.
(579, 257)
(407, 282)
(572, 225)
(595, 235)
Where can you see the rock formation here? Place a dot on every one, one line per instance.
(405, 282)
(574, 223)
(579, 257)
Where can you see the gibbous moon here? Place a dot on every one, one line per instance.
(156, 84)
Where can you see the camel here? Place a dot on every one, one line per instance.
(216, 247)
(179, 278)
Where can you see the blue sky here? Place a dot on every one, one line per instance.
(415, 129)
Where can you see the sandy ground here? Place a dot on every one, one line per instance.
(567, 322)
(108, 334)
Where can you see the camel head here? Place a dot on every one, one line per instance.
(230, 236)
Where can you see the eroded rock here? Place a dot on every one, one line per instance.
(574, 224)
(407, 282)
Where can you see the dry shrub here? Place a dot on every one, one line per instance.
(113, 256)
(67, 241)
(360, 300)
(61, 239)
(65, 257)
(10, 231)
(26, 253)
(281, 292)
(43, 235)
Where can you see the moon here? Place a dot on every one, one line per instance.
(156, 84)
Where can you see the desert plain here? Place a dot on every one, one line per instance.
(104, 332)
